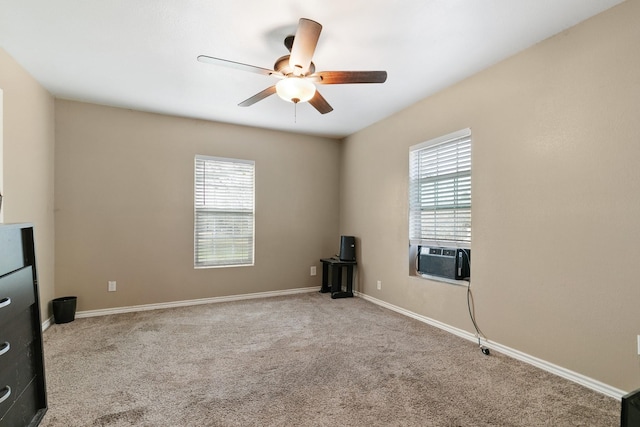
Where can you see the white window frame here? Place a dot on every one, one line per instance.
(440, 191)
(224, 212)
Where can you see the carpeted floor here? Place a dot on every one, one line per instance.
(304, 360)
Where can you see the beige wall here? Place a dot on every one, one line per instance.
(27, 164)
(556, 200)
(124, 206)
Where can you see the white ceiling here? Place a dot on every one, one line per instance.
(141, 54)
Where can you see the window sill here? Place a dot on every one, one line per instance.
(443, 279)
(202, 267)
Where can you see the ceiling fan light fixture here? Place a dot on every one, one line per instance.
(295, 89)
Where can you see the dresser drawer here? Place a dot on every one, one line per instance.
(11, 250)
(15, 336)
(16, 294)
(23, 410)
(15, 379)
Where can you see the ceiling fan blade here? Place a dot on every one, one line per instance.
(288, 42)
(238, 65)
(320, 104)
(304, 44)
(349, 77)
(258, 97)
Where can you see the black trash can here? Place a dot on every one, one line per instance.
(64, 309)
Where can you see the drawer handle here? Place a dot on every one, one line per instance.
(6, 394)
(4, 348)
(5, 302)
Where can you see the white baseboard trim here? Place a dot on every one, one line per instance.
(583, 380)
(184, 303)
(47, 322)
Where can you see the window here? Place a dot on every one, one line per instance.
(440, 191)
(224, 212)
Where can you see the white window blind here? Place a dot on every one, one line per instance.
(440, 191)
(224, 212)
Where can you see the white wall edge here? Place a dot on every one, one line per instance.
(583, 380)
(185, 303)
(1, 152)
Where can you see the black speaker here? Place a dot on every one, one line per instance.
(347, 248)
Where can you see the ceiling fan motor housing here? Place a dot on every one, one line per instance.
(282, 66)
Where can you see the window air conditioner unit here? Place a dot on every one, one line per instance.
(450, 263)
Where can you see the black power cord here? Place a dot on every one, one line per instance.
(485, 350)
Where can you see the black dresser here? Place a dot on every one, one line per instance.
(23, 398)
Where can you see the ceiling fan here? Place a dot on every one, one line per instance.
(297, 73)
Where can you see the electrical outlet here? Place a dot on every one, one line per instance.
(379, 284)
(313, 270)
(112, 286)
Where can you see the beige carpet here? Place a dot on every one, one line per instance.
(303, 360)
